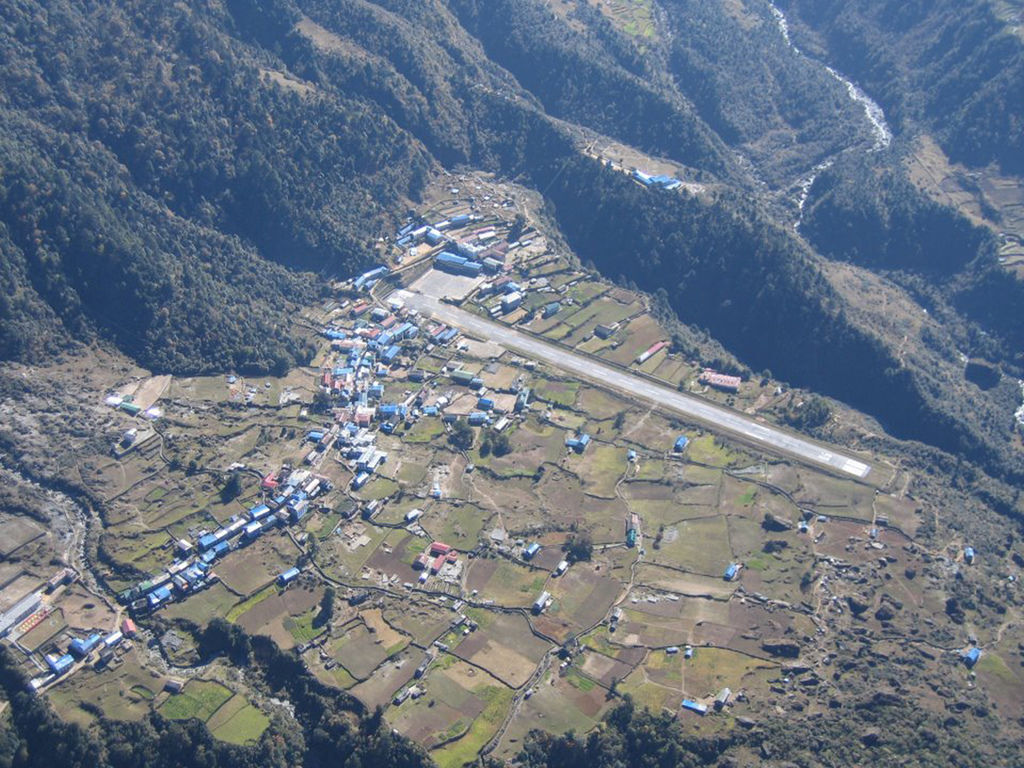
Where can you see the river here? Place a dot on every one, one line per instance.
(875, 115)
(1019, 413)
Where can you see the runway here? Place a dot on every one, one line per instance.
(726, 420)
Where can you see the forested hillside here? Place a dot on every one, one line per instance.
(952, 65)
(155, 173)
(176, 177)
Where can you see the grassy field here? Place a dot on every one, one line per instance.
(560, 392)
(123, 693)
(712, 669)
(700, 545)
(506, 583)
(496, 703)
(301, 627)
(238, 722)
(251, 602)
(200, 608)
(198, 699)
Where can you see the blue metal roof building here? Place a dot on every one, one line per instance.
(288, 576)
(531, 550)
(158, 596)
(681, 442)
(259, 512)
(971, 657)
(550, 309)
(60, 664)
(694, 706)
(731, 571)
(578, 444)
(81, 647)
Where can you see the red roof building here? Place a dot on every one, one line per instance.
(721, 381)
(436, 565)
(128, 628)
(440, 548)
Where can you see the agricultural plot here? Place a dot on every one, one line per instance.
(565, 503)
(284, 615)
(697, 546)
(388, 679)
(638, 335)
(359, 650)
(600, 469)
(583, 595)
(457, 524)
(552, 708)
(423, 622)
(462, 708)
(16, 532)
(712, 669)
(505, 583)
(396, 553)
(504, 646)
(238, 722)
(248, 570)
(203, 606)
(556, 392)
(346, 553)
(199, 699)
(123, 692)
(672, 580)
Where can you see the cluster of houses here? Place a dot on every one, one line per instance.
(355, 385)
(60, 661)
(366, 351)
(288, 492)
(433, 559)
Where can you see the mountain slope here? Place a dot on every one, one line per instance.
(952, 65)
(175, 174)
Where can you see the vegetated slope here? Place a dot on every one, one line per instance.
(952, 65)
(163, 162)
(726, 268)
(593, 77)
(152, 168)
(638, 737)
(785, 111)
(869, 214)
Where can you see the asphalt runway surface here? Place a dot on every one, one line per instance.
(770, 438)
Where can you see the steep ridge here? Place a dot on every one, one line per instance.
(952, 65)
(163, 166)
